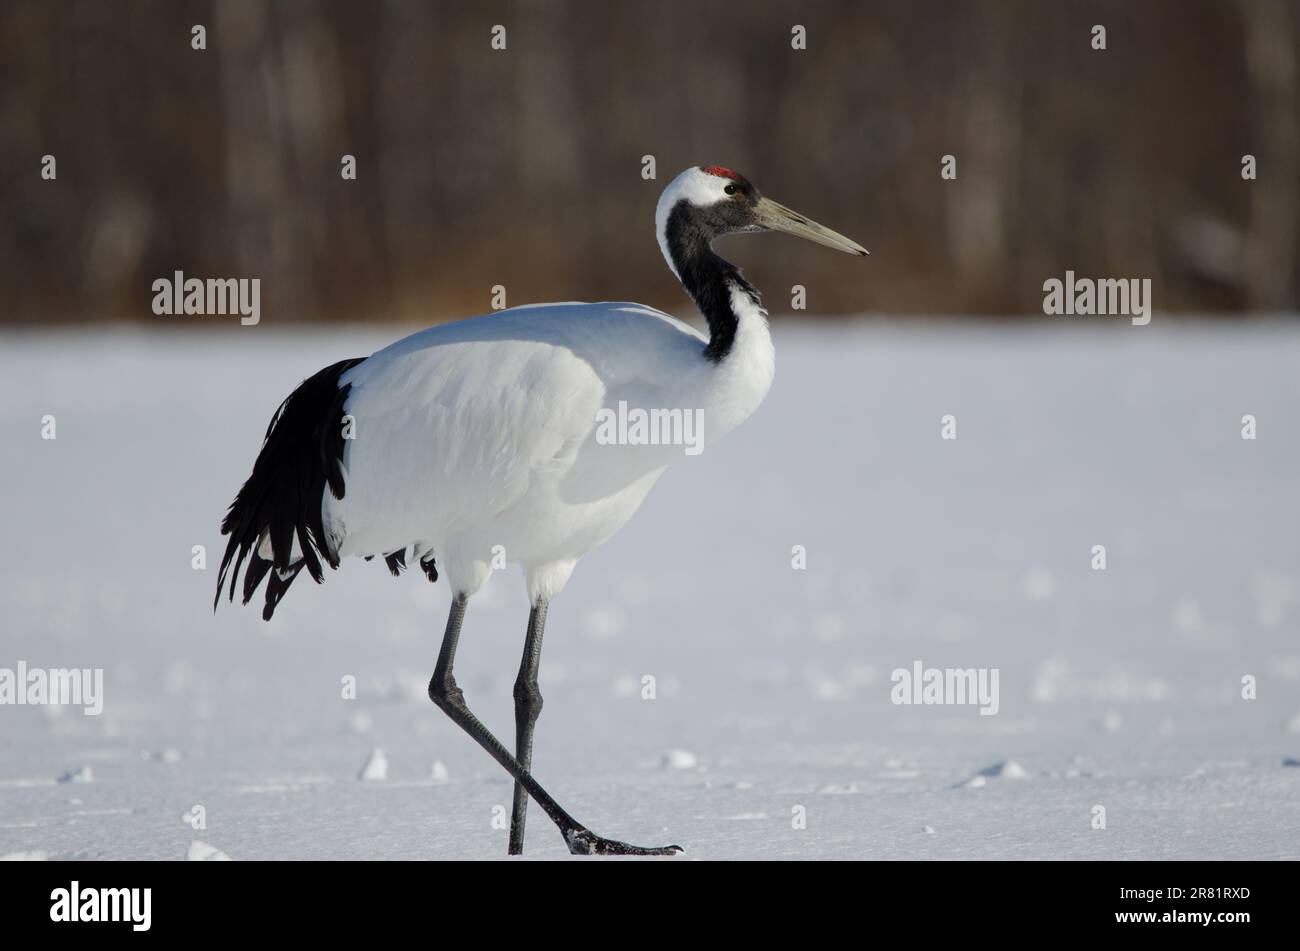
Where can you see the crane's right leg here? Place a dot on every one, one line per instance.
(528, 706)
(451, 700)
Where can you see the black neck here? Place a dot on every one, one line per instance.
(707, 278)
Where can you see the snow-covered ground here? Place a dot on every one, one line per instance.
(1119, 688)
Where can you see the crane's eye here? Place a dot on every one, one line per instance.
(730, 189)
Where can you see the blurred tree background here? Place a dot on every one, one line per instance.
(522, 167)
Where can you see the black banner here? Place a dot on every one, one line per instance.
(978, 901)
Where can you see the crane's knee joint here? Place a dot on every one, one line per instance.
(528, 697)
(445, 694)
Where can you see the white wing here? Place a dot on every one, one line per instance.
(455, 425)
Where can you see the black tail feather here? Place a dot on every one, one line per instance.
(275, 589)
(282, 499)
(396, 561)
(257, 569)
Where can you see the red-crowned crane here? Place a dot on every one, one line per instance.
(485, 433)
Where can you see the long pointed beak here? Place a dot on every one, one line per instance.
(776, 217)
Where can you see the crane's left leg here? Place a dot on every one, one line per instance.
(444, 692)
(528, 707)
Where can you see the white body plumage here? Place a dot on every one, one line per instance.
(479, 438)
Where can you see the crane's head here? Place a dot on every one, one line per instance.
(706, 202)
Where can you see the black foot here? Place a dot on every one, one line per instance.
(586, 842)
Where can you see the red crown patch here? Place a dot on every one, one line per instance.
(720, 171)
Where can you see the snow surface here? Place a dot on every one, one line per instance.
(1119, 688)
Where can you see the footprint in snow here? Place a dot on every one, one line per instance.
(1007, 769)
(679, 759)
(82, 775)
(376, 768)
(200, 851)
